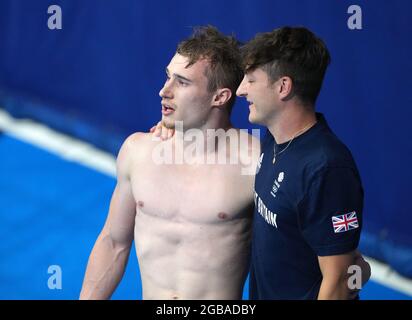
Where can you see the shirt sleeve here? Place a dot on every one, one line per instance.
(330, 215)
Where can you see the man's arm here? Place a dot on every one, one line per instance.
(110, 253)
(335, 275)
(334, 270)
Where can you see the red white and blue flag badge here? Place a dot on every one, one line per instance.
(345, 222)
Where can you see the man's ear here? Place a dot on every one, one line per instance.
(221, 97)
(285, 87)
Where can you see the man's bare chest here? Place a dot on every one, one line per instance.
(195, 194)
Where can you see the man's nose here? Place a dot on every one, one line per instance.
(240, 92)
(166, 91)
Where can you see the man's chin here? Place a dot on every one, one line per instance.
(256, 117)
(253, 119)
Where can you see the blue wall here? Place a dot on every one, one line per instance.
(103, 70)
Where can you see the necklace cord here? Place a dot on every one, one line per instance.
(294, 136)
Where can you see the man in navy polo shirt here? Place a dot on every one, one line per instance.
(308, 193)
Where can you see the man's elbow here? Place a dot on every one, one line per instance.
(115, 244)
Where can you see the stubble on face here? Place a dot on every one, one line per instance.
(196, 100)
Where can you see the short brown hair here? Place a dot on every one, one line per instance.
(223, 54)
(290, 51)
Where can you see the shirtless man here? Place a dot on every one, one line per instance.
(191, 223)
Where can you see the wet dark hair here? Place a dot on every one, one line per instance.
(290, 51)
(222, 52)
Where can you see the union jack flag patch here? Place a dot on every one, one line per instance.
(345, 222)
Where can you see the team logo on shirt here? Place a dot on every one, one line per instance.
(259, 163)
(281, 176)
(345, 222)
(263, 210)
(276, 184)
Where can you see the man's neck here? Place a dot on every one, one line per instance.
(202, 137)
(292, 122)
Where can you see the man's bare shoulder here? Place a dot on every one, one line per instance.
(135, 147)
(140, 141)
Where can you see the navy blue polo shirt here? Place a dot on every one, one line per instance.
(307, 204)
